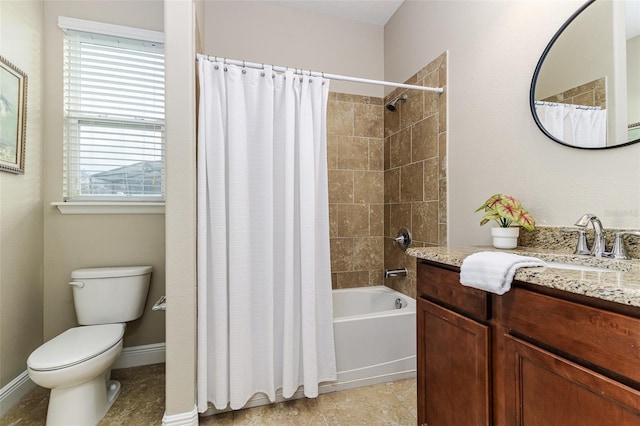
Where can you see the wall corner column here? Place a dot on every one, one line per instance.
(180, 213)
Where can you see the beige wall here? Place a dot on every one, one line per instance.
(260, 32)
(21, 221)
(81, 241)
(494, 144)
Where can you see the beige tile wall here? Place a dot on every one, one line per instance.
(387, 170)
(355, 150)
(415, 171)
(593, 93)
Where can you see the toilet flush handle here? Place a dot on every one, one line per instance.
(78, 284)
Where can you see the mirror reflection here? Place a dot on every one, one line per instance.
(585, 91)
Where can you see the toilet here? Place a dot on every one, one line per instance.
(76, 365)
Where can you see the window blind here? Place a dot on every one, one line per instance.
(114, 118)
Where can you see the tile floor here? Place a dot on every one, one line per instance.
(141, 402)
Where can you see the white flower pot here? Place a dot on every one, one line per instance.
(505, 238)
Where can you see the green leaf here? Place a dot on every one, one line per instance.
(505, 210)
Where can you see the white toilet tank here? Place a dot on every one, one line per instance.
(110, 295)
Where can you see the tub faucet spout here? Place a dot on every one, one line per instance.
(402, 272)
(599, 242)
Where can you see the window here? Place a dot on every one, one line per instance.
(113, 113)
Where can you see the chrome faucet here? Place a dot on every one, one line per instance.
(599, 242)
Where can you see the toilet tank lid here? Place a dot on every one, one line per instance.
(111, 272)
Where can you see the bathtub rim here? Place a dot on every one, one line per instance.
(410, 309)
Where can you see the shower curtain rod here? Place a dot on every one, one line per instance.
(320, 74)
(585, 107)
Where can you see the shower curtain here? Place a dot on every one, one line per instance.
(264, 282)
(586, 128)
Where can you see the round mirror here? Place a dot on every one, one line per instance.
(585, 91)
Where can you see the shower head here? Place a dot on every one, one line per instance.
(391, 106)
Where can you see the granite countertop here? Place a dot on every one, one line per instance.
(620, 285)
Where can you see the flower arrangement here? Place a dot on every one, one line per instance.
(505, 210)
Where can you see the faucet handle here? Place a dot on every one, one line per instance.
(619, 250)
(581, 246)
(403, 240)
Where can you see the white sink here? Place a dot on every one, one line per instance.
(573, 266)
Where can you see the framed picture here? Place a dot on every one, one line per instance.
(13, 117)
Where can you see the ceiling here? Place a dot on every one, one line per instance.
(370, 11)
(380, 11)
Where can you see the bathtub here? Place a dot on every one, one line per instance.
(375, 336)
(375, 341)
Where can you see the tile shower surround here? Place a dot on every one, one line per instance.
(387, 170)
(355, 154)
(593, 93)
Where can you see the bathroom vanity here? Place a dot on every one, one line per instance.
(562, 347)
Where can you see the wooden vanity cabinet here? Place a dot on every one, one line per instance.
(568, 363)
(547, 389)
(534, 356)
(453, 350)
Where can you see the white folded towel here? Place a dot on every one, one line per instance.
(493, 270)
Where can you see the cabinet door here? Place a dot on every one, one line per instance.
(453, 368)
(545, 389)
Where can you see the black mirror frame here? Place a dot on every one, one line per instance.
(535, 79)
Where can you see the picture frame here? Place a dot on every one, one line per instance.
(13, 117)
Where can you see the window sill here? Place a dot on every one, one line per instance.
(109, 208)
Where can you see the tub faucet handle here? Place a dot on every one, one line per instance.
(403, 240)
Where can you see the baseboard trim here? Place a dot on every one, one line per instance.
(13, 392)
(136, 356)
(183, 419)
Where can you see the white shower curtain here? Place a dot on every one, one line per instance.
(586, 128)
(264, 282)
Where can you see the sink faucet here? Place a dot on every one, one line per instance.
(599, 241)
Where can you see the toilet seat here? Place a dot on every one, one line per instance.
(75, 346)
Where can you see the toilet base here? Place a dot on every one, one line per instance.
(84, 404)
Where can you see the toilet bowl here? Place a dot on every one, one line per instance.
(76, 365)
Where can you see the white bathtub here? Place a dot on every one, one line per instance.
(375, 341)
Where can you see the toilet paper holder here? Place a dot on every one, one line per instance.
(160, 305)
